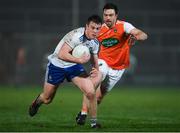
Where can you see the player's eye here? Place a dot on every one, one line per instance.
(98, 28)
(92, 27)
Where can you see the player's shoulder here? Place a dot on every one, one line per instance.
(95, 41)
(104, 26)
(103, 29)
(77, 34)
(122, 22)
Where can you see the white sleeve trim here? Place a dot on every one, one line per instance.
(128, 27)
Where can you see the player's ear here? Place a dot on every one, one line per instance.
(87, 26)
(116, 16)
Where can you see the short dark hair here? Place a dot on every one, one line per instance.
(94, 18)
(111, 6)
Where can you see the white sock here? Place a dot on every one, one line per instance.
(83, 113)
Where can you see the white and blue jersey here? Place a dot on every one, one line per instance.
(73, 38)
(57, 69)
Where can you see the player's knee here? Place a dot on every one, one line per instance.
(99, 100)
(99, 96)
(91, 95)
(47, 100)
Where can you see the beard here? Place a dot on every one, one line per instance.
(109, 23)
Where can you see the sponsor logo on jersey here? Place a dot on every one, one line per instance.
(110, 42)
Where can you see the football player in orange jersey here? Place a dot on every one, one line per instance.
(116, 38)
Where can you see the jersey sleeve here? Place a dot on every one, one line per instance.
(128, 27)
(96, 47)
(71, 39)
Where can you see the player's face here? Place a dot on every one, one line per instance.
(92, 30)
(109, 17)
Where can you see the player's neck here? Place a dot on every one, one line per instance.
(86, 36)
(111, 26)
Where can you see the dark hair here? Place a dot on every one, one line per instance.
(94, 18)
(111, 6)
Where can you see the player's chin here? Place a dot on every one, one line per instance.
(93, 36)
(108, 23)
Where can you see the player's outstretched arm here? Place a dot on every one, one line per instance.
(138, 34)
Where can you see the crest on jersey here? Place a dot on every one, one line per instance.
(81, 38)
(49, 78)
(110, 42)
(115, 30)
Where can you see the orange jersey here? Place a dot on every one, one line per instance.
(114, 48)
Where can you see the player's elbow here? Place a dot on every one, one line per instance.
(142, 36)
(145, 36)
(60, 55)
(139, 34)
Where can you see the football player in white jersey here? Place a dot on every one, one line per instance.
(62, 65)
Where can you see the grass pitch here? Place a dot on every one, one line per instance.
(123, 109)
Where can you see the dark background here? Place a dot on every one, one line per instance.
(37, 26)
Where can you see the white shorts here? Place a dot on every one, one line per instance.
(110, 76)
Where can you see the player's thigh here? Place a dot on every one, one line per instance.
(103, 68)
(54, 76)
(84, 83)
(49, 90)
(112, 78)
(96, 78)
(78, 76)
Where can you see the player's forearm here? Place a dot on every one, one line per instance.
(94, 62)
(67, 57)
(96, 66)
(139, 35)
